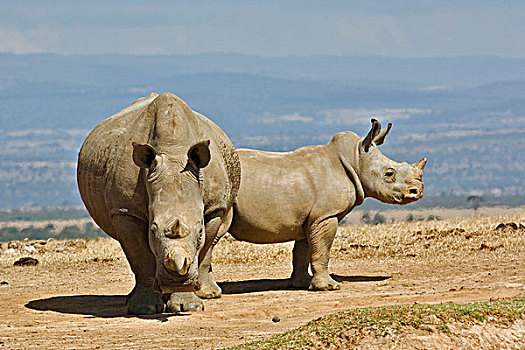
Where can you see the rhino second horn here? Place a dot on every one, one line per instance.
(177, 230)
(421, 164)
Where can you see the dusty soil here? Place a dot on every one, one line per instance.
(74, 298)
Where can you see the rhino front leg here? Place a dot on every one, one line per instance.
(215, 229)
(178, 302)
(300, 261)
(145, 298)
(320, 237)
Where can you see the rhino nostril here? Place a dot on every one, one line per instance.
(413, 191)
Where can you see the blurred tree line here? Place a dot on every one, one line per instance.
(42, 214)
(86, 231)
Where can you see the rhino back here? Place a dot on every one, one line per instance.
(106, 174)
(283, 193)
(223, 175)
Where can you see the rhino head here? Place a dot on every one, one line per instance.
(176, 211)
(384, 179)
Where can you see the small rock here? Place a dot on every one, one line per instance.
(3, 283)
(26, 261)
(29, 249)
(276, 319)
(509, 225)
(9, 251)
(484, 246)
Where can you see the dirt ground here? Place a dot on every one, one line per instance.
(74, 298)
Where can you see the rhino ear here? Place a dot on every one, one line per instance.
(143, 155)
(380, 138)
(199, 155)
(374, 131)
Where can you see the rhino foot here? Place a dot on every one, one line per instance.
(180, 302)
(209, 292)
(322, 284)
(145, 303)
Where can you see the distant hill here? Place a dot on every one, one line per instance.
(467, 115)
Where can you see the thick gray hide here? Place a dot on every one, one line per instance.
(161, 179)
(302, 195)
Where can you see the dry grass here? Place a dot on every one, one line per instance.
(453, 240)
(54, 253)
(450, 239)
(447, 239)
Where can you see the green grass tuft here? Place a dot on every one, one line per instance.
(384, 321)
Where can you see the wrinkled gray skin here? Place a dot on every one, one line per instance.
(161, 179)
(302, 195)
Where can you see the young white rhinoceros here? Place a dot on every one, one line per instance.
(302, 195)
(161, 179)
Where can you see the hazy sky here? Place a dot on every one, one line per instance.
(403, 28)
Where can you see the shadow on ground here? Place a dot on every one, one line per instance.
(340, 278)
(93, 305)
(263, 285)
(115, 305)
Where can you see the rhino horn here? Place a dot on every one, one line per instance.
(181, 264)
(177, 230)
(421, 164)
(374, 131)
(380, 138)
(177, 261)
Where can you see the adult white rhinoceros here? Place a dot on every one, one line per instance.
(302, 195)
(161, 179)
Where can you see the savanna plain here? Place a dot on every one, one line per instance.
(454, 283)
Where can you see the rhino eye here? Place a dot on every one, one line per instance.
(154, 227)
(390, 175)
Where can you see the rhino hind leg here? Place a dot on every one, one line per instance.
(145, 298)
(320, 238)
(301, 260)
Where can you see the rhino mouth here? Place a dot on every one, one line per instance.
(404, 199)
(398, 199)
(172, 282)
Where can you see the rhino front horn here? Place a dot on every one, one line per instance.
(177, 261)
(421, 164)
